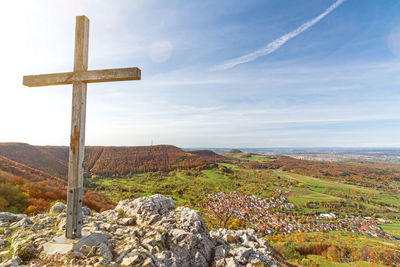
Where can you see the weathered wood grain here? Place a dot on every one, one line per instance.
(78, 122)
(79, 78)
(90, 76)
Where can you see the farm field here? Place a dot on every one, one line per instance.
(311, 195)
(317, 189)
(182, 186)
(300, 196)
(280, 196)
(321, 261)
(393, 228)
(337, 249)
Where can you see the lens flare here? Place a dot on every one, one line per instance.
(161, 51)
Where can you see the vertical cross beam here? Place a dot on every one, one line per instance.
(77, 144)
(79, 79)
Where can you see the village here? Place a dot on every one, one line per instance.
(275, 216)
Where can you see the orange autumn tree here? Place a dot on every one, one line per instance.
(224, 206)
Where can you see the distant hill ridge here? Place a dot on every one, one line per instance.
(108, 160)
(35, 157)
(234, 151)
(38, 174)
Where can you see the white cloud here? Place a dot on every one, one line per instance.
(185, 106)
(276, 44)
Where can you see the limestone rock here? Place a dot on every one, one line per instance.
(62, 224)
(188, 237)
(23, 222)
(37, 227)
(62, 215)
(104, 251)
(93, 239)
(231, 262)
(219, 253)
(58, 208)
(16, 261)
(86, 250)
(10, 217)
(219, 263)
(47, 220)
(242, 254)
(148, 263)
(146, 209)
(86, 211)
(7, 231)
(122, 255)
(27, 252)
(109, 215)
(133, 258)
(75, 255)
(258, 254)
(127, 221)
(147, 232)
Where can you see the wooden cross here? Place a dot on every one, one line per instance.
(79, 79)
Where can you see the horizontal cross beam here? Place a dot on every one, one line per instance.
(90, 76)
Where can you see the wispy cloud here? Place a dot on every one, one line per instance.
(274, 45)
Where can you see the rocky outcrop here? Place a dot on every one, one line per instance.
(7, 217)
(241, 248)
(147, 231)
(58, 208)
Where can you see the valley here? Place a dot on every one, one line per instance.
(281, 197)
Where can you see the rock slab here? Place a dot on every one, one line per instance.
(62, 245)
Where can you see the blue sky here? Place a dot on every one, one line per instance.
(334, 84)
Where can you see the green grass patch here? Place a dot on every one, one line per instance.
(323, 262)
(251, 157)
(393, 228)
(323, 185)
(182, 186)
(352, 249)
(373, 199)
(187, 186)
(299, 196)
(229, 165)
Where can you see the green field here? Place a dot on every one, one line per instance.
(189, 186)
(393, 228)
(250, 157)
(182, 186)
(310, 195)
(229, 165)
(186, 186)
(316, 189)
(326, 185)
(349, 249)
(299, 196)
(323, 262)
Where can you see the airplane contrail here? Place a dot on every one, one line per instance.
(274, 45)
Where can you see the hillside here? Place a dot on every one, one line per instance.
(369, 174)
(35, 157)
(138, 232)
(36, 175)
(14, 168)
(29, 190)
(125, 160)
(208, 155)
(280, 197)
(108, 160)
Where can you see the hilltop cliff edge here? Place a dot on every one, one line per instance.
(147, 231)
